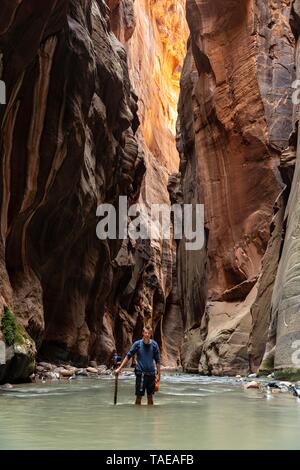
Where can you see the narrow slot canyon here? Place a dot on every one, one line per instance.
(101, 82)
(149, 227)
(164, 102)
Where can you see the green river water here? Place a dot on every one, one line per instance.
(190, 412)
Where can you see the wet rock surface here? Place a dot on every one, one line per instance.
(45, 372)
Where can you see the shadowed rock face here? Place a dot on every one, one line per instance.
(235, 122)
(69, 142)
(74, 135)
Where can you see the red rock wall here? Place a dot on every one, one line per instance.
(282, 351)
(69, 142)
(155, 53)
(235, 120)
(92, 88)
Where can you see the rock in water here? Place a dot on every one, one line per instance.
(6, 387)
(66, 373)
(81, 373)
(273, 385)
(250, 385)
(92, 370)
(296, 391)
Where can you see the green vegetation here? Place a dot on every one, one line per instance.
(264, 373)
(292, 375)
(24, 350)
(13, 331)
(9, 326)
(21, 335)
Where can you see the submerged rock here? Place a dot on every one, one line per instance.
(6, 386)
(252, 384)
(273, 385)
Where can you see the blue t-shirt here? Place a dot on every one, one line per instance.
(146, 354)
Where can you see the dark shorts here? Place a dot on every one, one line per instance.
(144, 383)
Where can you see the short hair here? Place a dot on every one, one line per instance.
(148, 328)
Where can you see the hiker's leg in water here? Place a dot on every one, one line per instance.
(150, 388)
(150, 399)
(138, 390)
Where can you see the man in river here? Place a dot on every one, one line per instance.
(147, 352)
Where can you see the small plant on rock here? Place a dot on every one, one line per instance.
(8, 326)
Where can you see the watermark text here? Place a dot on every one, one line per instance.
(152, 223)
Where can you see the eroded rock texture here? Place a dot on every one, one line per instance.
(155, 53)
(69, 142)
(234, 132)
(282, 352)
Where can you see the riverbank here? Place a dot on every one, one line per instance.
(46, 373)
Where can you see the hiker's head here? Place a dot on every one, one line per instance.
(147, 333)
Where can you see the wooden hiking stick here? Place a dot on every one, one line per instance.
(116, 389)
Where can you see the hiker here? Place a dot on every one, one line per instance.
(115, 359)
(147, 351)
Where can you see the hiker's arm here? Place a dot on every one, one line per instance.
(123, 364)
(158, 371)
(157, 360)
(128, 356)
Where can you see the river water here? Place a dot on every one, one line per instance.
(190, 412)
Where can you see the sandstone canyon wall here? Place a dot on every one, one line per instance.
(69, 142)
(156, 51)
(92, 90)
(237, 132)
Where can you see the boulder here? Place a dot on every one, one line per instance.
(92, 370)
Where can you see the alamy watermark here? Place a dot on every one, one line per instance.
(296, 94)
(2, 92)
(152, 223)
(2, 353)
(296, 353)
